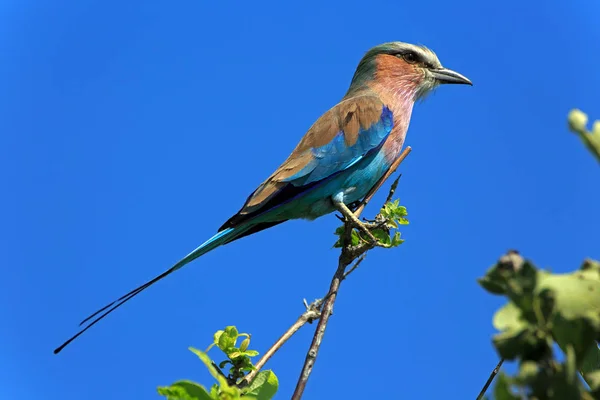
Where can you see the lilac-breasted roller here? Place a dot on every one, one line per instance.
(341, 157)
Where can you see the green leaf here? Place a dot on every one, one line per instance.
(593, 380)
(577, 293)
(264, 386)
(527, 344)
(226, 342)
(355, 238)
(232, 332)
(339, 232)
(508, 317)
(510, 276)
(396, 240)
(564, 384)
(544, 304)
(528, 371)
(492, 286)
(402, 221)
(185, 390)
(577, 318)
(251, 353)
(578, 334)
(208, 363)
(234, 354)
(520, 282)
(515, 281)
(382, 236)
(591, 360)
(510, 343)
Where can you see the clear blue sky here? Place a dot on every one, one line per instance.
(131, 130)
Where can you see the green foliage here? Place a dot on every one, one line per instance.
(239, 358)
(228, 387)
(543, 309)
(384, 227)
(264, 386)
(577, 123)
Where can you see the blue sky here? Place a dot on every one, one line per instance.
(130, 131)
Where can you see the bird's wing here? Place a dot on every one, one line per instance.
(336, 141)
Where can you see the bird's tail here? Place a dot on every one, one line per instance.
(217, 240)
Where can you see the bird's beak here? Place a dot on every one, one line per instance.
(444, 75)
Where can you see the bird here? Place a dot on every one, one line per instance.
(339, 159)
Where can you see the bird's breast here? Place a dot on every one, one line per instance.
(399, 99)
(395, 141)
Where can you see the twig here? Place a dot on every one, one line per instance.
(215, 366)
(326, 312)
(490, 379)
(354, 266)
(393, 189)
(349, 254)
(312, 313)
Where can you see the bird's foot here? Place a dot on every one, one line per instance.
(365, 227)
(353, 207)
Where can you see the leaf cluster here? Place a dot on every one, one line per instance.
(384, 227)
(228, 387)
(543, 309)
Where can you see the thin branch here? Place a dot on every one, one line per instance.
(348, 255)
(311, 356)
(354, 266)
(312, 313)
(215, 366)
(490, 379)
(393, 189)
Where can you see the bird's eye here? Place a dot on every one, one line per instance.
(410, 57)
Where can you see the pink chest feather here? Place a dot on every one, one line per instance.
(400, 99)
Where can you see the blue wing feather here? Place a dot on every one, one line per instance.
(337, 156)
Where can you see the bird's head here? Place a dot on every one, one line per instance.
(405, 68)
